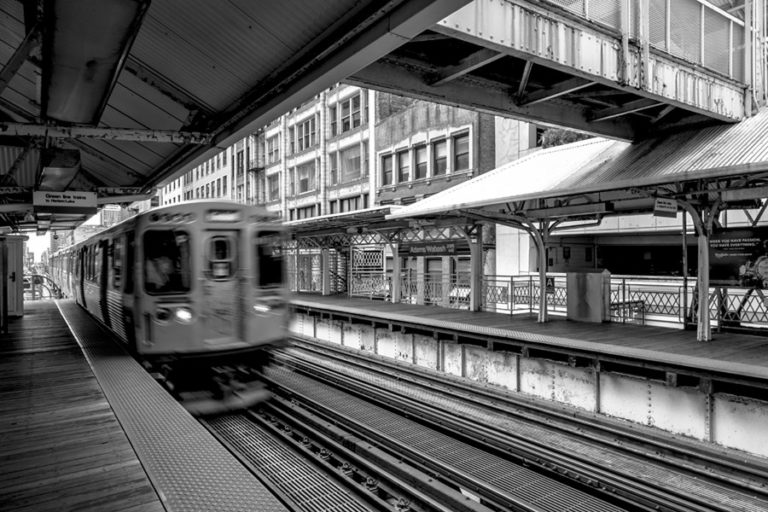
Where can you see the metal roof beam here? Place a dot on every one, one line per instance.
(405, 76)
(628, 108)
(31, 39)
(82, 132)
(524, 79)
(468, 64)
(557, 90)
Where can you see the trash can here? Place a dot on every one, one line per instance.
(589, 295)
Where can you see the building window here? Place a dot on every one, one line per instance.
(350, 113)
(420, 162)
(291, 140)
(439, 157)
(305, 176)
(333, 165)
(273, 149)
(306, 134)
(461, 152)
(305, 213)
(332, 206)
(403, 166)
(386, 170)
(349, 204)
(273, 183)
(218, 187)
(334, 122)
(240, 162)
(350, 163)
(224, 158)
(224, 185)
(365, 158)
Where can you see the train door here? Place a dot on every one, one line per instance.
(80, 266)
(103, 279)
(222, 287)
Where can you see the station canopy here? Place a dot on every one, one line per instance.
(593, 178)
(103, 100)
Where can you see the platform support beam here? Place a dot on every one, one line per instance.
(396, 273)
(703, 220)
(476, 272)
(325, 269)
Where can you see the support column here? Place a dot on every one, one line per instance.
(325, 270)
(540, 237)
(396, 272)
(703, 220)
(476, 287)
(703, 328)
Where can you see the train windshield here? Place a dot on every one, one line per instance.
(166, 261)
(269, 258)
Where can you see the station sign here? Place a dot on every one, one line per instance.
(739, 257)
(81, 202)
(665, 207)
(433, 249)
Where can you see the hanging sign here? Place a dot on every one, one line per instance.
(664, 207)
(64, 202)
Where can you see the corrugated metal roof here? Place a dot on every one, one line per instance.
(597, 165)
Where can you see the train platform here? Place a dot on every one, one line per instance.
(85, 427)
(730, 356)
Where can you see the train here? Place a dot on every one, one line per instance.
(194, 291)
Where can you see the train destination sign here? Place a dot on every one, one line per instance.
(739, 257)
(64, 202)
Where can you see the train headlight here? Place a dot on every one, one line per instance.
(184, 315)
(262, 308)
(163, 314)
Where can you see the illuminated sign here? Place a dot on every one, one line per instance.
(223, 216)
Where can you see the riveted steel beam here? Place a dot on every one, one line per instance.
(125, 134)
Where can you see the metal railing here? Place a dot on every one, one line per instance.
(41, 287)
(667, 301)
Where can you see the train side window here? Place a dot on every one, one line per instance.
(117, 262)
(221, 257)
(269, 263)
(97, 255)
(129, 252)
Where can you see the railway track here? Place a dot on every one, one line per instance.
(625, 466)
(313, 465)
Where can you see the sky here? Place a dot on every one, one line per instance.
(38, 244)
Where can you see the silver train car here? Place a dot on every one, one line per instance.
(195, 291)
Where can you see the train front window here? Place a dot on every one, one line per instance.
(166, 261)
(269, 259)
(221, 258)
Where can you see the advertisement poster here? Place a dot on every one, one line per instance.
(739, 257)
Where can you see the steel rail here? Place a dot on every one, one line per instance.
(449, 474)
(578, 468)
(696, 459)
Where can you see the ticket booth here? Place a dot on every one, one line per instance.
(11, 278)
